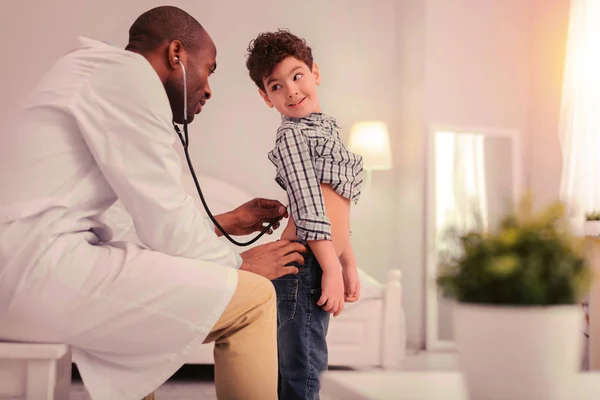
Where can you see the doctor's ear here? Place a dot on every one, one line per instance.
(174, 53)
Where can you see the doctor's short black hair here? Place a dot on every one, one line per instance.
(269, 49)
(164, 24)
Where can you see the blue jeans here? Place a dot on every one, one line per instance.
(301, 331)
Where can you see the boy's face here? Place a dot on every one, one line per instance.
(292, 88)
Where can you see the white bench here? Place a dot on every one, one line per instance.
(35, 371)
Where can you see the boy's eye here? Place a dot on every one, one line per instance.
(275, 87)
(297, 76)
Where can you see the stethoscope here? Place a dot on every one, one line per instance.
(185, 142)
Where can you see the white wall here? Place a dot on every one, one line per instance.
(549, 37)
(409, 173)
(477, 70)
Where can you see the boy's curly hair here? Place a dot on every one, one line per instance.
(269, 49)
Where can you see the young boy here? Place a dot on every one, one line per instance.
(321, 178)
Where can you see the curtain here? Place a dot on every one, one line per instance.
(579, 124)
(461, 200)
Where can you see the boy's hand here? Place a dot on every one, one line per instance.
(351, 283)
(332, 294)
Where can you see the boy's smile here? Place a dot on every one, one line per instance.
(292, 88)
(296, 104)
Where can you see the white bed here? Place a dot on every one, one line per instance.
(369, 333)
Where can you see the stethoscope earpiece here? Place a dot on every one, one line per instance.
(185, 142)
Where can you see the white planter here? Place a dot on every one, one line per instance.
(591, 228)
(510, 353)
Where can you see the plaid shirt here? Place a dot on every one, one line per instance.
(308, 151)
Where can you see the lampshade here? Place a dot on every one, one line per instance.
(371, 140)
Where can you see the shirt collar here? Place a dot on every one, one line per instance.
(88, 42)
(311, 119)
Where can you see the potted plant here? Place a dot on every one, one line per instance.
(517, 315)
(591, 227)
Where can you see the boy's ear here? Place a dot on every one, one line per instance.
(265, 98)
(316, 73)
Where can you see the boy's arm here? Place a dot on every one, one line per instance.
(349, 269)
(350, 274)
(308, 211)
(347, 258)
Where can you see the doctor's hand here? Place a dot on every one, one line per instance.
(253, 216)
(271, 260)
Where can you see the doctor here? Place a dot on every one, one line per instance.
(98, 128)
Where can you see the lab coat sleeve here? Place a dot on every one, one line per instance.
(125, 118)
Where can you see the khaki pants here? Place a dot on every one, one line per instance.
(245, 339)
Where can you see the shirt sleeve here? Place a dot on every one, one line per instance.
(124, 116)
(303, 188)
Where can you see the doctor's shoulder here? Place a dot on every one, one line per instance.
(125, 80)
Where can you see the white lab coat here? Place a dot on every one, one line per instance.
(97, 128)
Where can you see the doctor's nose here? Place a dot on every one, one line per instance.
(207, 92)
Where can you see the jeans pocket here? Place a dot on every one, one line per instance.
(315, 294)
(287, 298)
